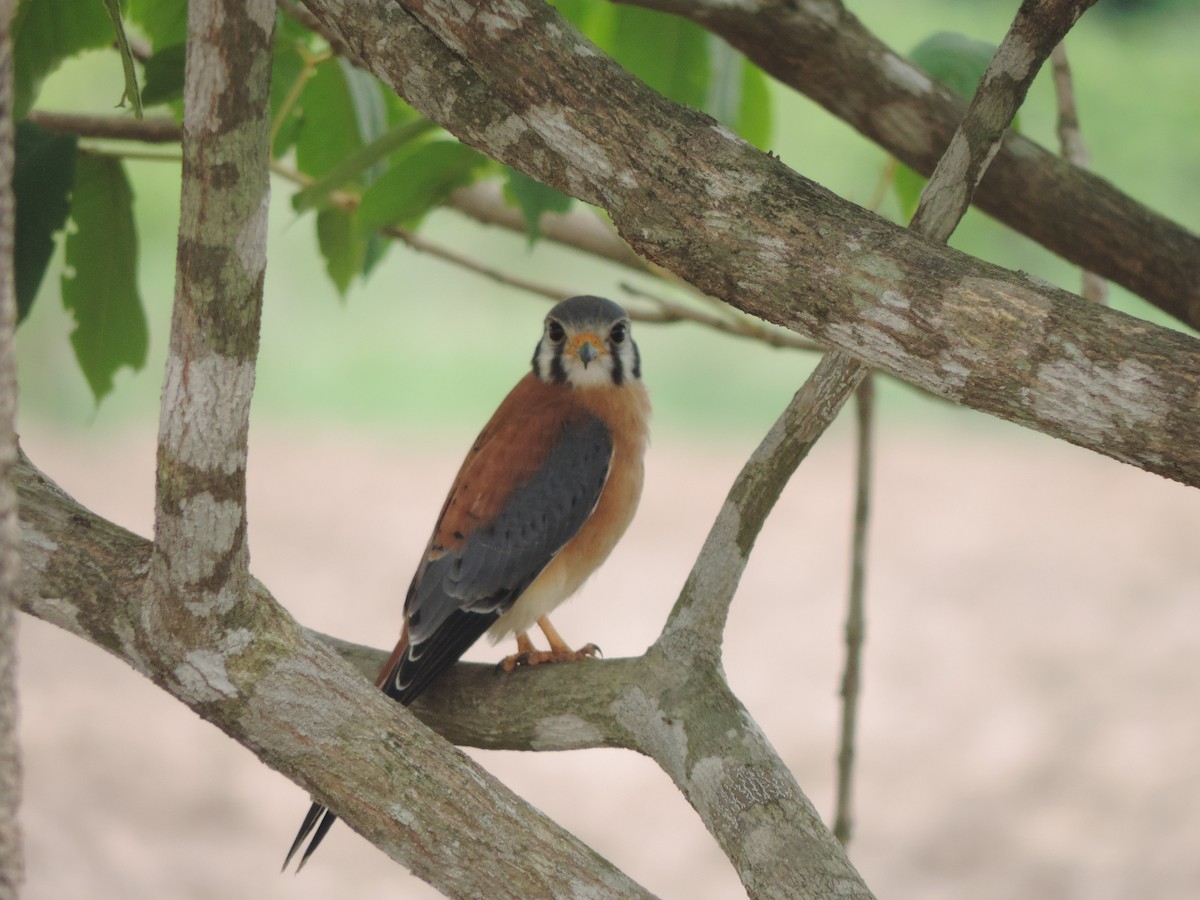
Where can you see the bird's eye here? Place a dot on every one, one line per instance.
(618, 333)
(555, 331)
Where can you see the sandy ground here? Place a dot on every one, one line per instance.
(1030, 723)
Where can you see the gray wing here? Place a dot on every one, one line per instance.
(461, 593)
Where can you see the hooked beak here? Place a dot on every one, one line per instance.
(586, 347)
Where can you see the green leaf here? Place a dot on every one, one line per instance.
(424, 179)
(164, 75)
(164, 21)
(908, 185)
(342, 110)
(533, 198)
(668, 53)
(43, 175)
(958, 62)
(357, 164)
(288, 69)
(954, 59)
(99, 286)
(45, 32)
(343, 246)
(131, 93)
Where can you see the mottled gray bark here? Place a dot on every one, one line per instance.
(281, 692)
(522, 85)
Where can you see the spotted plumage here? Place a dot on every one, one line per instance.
(543, 496)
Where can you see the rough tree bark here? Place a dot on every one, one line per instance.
(511, 78)
(823, 51)
(515, 80)
(197, 623)
(309, 716)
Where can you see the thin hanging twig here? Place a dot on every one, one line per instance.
(1073, 150)
(856, 620)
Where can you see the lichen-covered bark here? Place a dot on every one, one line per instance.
(741, 226)
(823, 51)
(201, 561)
(11, 858)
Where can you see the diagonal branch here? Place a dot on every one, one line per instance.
(291, 700)
(741, 226)
(696, 624)
(305, 712)
(821, 49)
(1035, 32)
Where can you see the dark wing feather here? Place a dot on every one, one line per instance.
(461, 593)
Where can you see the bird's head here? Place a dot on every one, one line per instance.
(586, 343)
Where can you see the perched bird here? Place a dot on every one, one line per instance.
(545, 492)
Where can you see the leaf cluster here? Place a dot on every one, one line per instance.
(364, 164)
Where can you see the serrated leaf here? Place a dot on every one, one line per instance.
(131, 92)
(45, 32)
(668, 53)
(533, 198)
(43, 175)
(99, 286)
(411, 188)
(164, 75)
(164, 21)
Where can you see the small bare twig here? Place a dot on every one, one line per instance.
(1074, 150)
(856, 620)
(151, 130)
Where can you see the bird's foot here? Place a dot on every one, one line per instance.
(530, 657)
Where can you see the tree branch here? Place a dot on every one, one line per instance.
(741, 226)
(305, 713)
(1036, 31)
(151, 130)
(697, 622)
(1074, 151)
(292, 701)
(822, 50)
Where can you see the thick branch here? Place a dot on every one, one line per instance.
(823, 51)
(743, 227)
(303, 712)
(289, 698)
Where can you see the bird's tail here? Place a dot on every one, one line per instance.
(316, 814)
(319, 817)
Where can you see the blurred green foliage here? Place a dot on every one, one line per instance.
(411, 322)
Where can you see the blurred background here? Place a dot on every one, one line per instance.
(1029, 722)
